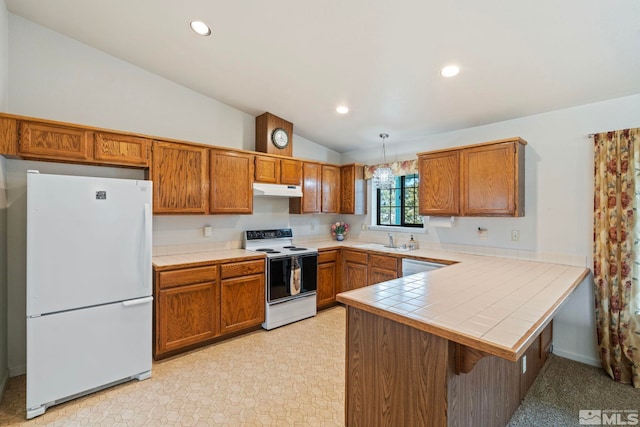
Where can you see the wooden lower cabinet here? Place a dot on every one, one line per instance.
(186, 309)
(383, 268)
(355, 270)
(242, 295)
(199, 305)
(328, 278)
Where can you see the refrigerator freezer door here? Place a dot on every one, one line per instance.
(88, 241)
(66, 358)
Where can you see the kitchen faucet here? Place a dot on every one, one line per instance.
(390, 239)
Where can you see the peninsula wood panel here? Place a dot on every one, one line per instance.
(330, 189)
(439, 187)
(386, 386)
(231, 182)
(53, 142)
(491, 180)
(180, 178)
(487, 396)
(8, 136)
(121, 149)
(242, 302)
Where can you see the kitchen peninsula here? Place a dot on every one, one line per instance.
(456, 346)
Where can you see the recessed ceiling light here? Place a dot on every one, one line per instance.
(450, 71)
(342, 109)
(200, 28)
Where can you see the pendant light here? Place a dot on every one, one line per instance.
(383, 176)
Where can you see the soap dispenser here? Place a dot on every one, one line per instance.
(412, 244)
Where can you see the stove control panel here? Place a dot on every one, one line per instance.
(269, 234)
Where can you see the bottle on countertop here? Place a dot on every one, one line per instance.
(412, 244)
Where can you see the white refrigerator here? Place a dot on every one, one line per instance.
(89, 294)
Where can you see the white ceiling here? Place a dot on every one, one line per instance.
(299, 59)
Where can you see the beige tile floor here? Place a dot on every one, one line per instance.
(290, 376)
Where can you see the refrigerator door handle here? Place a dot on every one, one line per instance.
(137, 301)
(147, 242)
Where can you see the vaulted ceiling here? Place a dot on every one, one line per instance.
(299, 59)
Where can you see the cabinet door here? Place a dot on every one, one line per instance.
(242, 302)
(231, 182)
(267, 169)
(180, 178)
(353, 190)
(382, 268)
(311, 191)
(39, 140)
(186, 315)
(290, 172)
(8, 136)
(439, 183)
(121, 149)
(330, 189)
(327, 278)
(489, 180)
(355, 275)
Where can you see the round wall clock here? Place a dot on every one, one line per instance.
(280, 138)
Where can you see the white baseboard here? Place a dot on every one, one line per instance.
(577, 357)
(14, 371)
(3, 383)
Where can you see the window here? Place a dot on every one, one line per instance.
(398, 206)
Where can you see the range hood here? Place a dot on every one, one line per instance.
(276, 190)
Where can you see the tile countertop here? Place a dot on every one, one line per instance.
(202, 258)
(495, 305)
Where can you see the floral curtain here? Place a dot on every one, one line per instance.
(406, 167)
(616, 253)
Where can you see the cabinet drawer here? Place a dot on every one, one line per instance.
(187, 276)
(385, 263)
(357, 257)
(327, 256)
(243, 268)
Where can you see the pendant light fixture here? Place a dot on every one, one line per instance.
(383, 176)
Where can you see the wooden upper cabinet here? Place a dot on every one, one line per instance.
(180, 178)
(121, 149)
(439, 183)
(493, 180)
(231, 176)
(311, 199)
(272, 170)
(477, 180)
(267, 169)
(353, 190)
(290, 172)
(8, 136)
(330, 189)
(55, 142)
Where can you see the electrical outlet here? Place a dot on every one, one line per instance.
(515, 235)
(483, 233)
(207, 231)
(524, 364)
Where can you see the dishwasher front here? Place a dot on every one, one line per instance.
(413, 266)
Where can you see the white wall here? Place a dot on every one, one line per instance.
(4, 106)
(55, 77)
(558, 221)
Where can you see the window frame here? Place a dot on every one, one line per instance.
(402, 206)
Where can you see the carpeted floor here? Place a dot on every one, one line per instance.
(565, 387)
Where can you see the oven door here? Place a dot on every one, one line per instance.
(279, 276)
